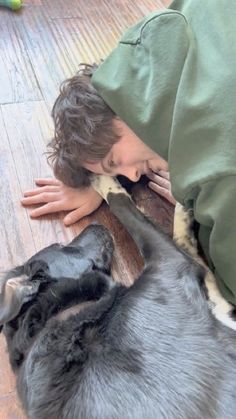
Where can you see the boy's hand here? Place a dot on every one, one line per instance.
(160, 183)
(54, 196)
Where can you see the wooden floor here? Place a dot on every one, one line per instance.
(39, 47)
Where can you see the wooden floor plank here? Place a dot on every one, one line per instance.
(18, 81)
(7, 382)
(27, 128)
(15, 233)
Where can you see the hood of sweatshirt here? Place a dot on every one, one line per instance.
(171, 78)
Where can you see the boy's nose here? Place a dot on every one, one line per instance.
(132, 174)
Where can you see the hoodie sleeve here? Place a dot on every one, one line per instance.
(215, 211)
(140, 78)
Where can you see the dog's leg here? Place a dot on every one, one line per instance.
(161, 256)
(183, 234)
(151, 241)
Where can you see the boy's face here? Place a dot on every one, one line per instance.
(129, 157)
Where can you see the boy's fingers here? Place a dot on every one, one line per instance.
(41, 190)
(164, 174)
(162, 191)
(76, 215)
(47, 181)
(42, 198)
(165, 183)
(45, 209)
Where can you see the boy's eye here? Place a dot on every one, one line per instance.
(111, 163)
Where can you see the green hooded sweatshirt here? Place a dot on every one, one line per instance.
(172, 79)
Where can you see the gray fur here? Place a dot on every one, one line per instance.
(153, 351)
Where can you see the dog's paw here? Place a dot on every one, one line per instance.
(107, 184)
(183, 234)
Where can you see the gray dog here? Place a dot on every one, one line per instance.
(151, 351)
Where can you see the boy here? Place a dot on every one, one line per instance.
(165, 94)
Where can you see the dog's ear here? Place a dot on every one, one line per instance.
(19, 286)
(15, 290)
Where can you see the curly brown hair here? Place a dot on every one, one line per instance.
(84, 130)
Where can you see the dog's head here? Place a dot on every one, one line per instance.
(92, 249)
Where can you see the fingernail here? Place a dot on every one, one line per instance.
(67, 221)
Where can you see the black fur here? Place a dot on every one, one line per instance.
(152, 351)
